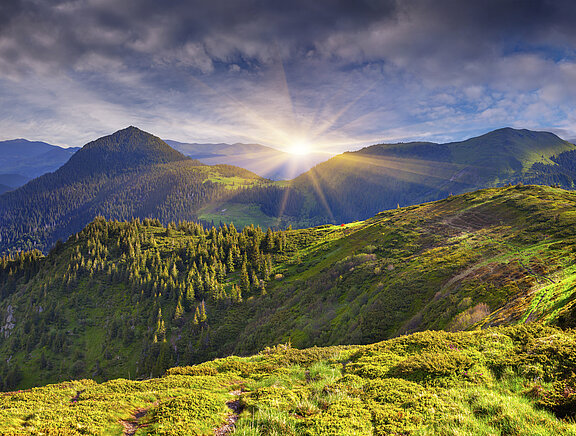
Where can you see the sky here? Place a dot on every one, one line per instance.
(329, 75)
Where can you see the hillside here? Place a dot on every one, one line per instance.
(514, 380)
(30, 159)
(388, 175)
(264, 161)
(132, 299)
(127, 174)
(12, 181)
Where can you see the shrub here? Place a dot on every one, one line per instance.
(192, 370)
(429, 365)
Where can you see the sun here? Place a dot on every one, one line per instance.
(299, 147)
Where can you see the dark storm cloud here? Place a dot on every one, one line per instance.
(414, 67)
(61, 32)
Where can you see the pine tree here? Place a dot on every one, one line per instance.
(236, 294)
(203, 317)
(230, 261)
(244, 279)
(179, 310)
(189, 294)
(160, 334)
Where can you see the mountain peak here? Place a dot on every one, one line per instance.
(510, 132)
(124, 149)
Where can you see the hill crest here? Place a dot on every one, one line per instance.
(124, 149)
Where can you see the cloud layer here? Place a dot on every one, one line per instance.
(339, 73)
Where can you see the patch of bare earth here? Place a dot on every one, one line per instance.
(132, 424)
(236, 407)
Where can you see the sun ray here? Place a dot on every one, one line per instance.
(328, 124)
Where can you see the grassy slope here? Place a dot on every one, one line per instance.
(513, 380)
(498, 256)
(239, 214)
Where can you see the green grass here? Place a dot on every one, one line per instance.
(234, 182)
(239, 214)
(513, 380)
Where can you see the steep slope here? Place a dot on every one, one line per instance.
(127, 174)
(498, 381)
(31, 158)
(135, 298)
(264, 161)
(405, 174)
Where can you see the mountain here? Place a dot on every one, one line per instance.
(30, 159)
(514, 380)
(388, 175)
(264, 161)
(12, 180)
(123, 299)
(8, 182)
(159, 182)
(125, 150)
(127, 174)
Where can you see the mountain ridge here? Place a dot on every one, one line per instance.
(30, 159)
(411, 173)
(387, 176)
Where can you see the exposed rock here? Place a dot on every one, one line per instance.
(9, 323)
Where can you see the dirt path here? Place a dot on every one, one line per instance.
(132, 424)
(236, 407)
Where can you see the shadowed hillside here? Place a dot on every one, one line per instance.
(128, 174)
(357, 185)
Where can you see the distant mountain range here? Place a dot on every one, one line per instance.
(264, 161)
(22, 160)
(134, 174)
(9, 182)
